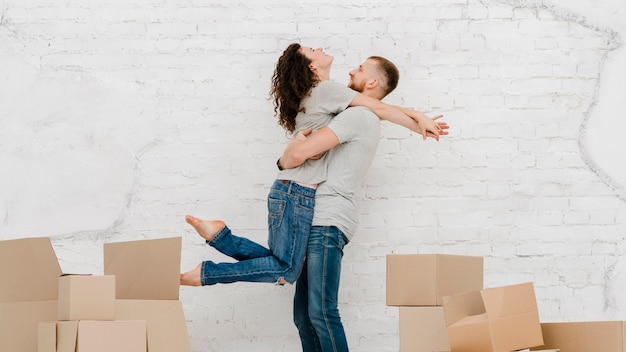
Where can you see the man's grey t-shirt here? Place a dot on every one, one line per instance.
(327, 99)
(358, 130)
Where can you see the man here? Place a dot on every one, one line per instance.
(353, 136)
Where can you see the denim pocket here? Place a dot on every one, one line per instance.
(276, 211)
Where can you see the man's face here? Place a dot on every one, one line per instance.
(360, 76)
(318, 57)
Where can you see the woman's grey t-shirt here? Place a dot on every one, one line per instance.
(327, 99)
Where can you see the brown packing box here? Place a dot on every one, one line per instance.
(423, 329)
(601, 336)
(93, 336)
(47, 337)
(29, 270)
(147, 269)
(86, 297)
(108, 336)
(29, 274)
(422, 279)
(58, 336)
(67, 333)
(165, 321)
(147, 276)
(496, 319)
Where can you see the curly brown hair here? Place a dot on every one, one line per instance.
(291, 82)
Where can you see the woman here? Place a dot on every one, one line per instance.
(304, 98)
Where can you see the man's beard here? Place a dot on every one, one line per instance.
(357, 87)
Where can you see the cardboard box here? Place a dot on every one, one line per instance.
(605, 336)
(165, 322)
(67, 334)
(108, 336)
(86, 297)
(423, 329)
(147, 283)
(29, 270)
(147, 269)
(29, 274)
(57, 336)
(423, 279)
(497, 319)
(47, 337)
(92, 336)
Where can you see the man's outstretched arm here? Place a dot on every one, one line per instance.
(301, 147)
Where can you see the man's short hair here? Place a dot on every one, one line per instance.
(390, 72)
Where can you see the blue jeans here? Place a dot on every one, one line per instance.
(290, 213)
(315, 302)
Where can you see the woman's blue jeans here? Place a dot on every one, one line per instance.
(290, 213)
(315, 302)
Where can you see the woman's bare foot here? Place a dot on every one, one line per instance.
(206, 228)
(191, 278)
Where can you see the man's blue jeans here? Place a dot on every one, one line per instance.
(290, 213)
(315, 302)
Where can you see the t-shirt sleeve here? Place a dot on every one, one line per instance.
(349, 124)
(335, 97)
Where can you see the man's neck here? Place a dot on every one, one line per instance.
(372, 94)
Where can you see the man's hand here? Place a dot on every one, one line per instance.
(441, 126)
(301, 136)
(427, 127)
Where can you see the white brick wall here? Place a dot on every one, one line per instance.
(118, 118)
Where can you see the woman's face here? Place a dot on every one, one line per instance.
(319, 59)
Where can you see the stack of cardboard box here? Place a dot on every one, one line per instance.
(29, 276)
(443, 307)
(86, 319)
(417, 284)
(133, 307)
(147, 285)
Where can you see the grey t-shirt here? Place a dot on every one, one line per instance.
(327, 99)
(358, 130)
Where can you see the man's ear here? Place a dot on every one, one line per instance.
(372, 84)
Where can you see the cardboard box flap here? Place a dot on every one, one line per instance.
(509, 300)
(459, 306)
(29, 270)
(146, 269)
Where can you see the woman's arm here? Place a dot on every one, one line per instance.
(411, 119)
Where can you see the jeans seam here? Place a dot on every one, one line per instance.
(328, 327)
